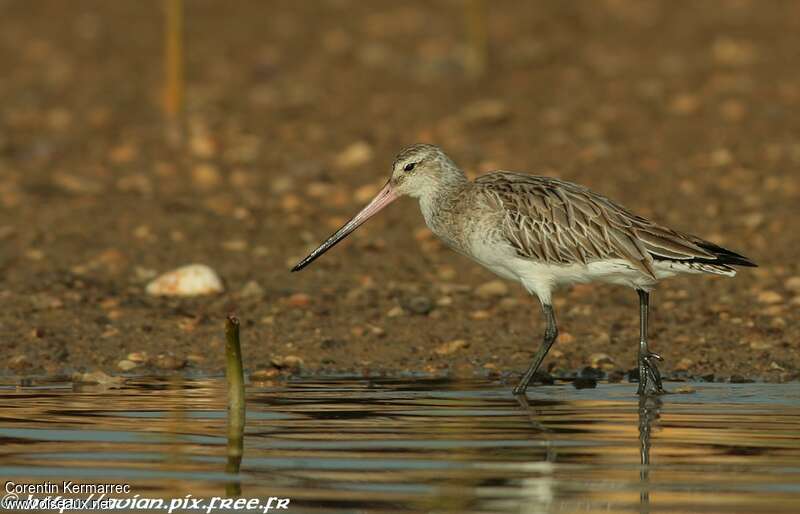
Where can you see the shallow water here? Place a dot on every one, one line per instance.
(418, 445)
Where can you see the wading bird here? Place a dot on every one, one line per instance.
(544, 232)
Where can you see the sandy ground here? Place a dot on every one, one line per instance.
(686, 112)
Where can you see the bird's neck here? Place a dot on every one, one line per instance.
(439, 204)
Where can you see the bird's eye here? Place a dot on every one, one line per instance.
(409, 166)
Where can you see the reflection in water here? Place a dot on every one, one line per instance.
(418, 445)
(649, 410)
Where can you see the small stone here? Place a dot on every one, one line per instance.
(264, 374)
(760, 345)
(739, 379)
(191, 280)
(450, 347)
(126, 365)
(206, 176)
(486, 112)
(446, 273)
(395, 312)
(365, 193)
(76, 184)
(299, 300)
(508, 304)
(235, 245)
(602, 361)
(492, 289)
(565, 338)
(19, 362)
(169, 362)
(444, 301)
(480, 315)
(769, 297)
(684, 104)
(793, 284)
(419, 305)
(355, 155)
(252, 289)
(44, 301)
(684, 364)
(329, 344)
(684, 389)
(592, 372)
(584, 383)
(196, 358)
(138, 357)
(288, 362)
(96, 377)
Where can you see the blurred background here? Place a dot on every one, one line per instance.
(137, 137)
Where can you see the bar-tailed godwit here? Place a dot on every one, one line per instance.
(543, 232)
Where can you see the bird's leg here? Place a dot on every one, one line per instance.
(550, 334)
(648, 371)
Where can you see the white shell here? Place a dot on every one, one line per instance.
(191, 280)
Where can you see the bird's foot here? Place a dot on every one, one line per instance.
(520, 388)
(649, 376)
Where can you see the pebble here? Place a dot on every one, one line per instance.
(299, 300)
(565, 338)
(684, 364)
(288, 362)
(264, 374)
(486, 112)
(235, 245)
(592, 372)
(252, 289)
(492, 289)
(19, 362)
(684, 389)
(446, 273)
(169, 362)
(739, 379)
(190, 280)
(355, 155)
(508, 304)
(44, 301)
(138, 357)
(419, 305)
(760, 345)
(126, 365)
(450, 347)
(444, 301)
(480, 315)
(96, 377)
(602, 361)
(395, 312)
(584, 383)
(793, 284)
(769, 297)
(206, 176)
(328, 344)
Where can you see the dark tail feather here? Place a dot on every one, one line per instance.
(724, 256)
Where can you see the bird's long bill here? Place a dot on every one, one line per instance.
(386, 196)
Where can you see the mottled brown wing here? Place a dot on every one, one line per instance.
(558, 222)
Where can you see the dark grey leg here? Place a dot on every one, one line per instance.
(648, 371)
(550, 334)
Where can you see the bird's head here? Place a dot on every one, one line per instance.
(418, 170)
(421, 169)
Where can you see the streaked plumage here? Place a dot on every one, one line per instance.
(544, 232)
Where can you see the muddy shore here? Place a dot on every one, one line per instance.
(686, 112)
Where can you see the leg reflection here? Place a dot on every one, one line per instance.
(649, 412)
